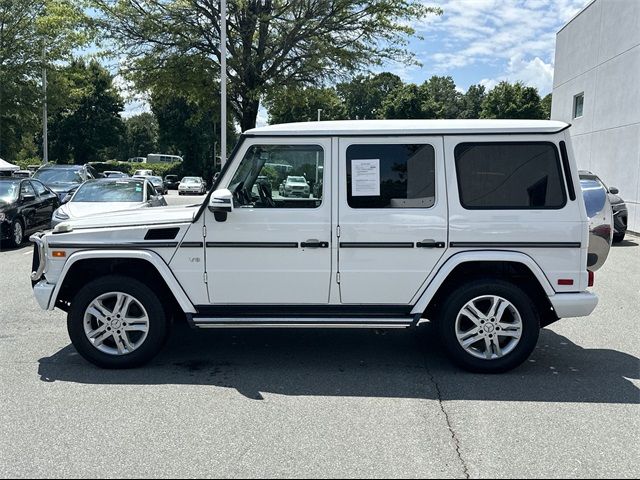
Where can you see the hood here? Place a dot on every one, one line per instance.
(84, 209)
(142, 216)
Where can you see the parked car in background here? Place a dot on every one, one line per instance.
(63, 179)
(159, 185)
(25, 206)
(114, 174)
(172, 182)
(108, 195)
(23, 173)
(619, 208)
(191, 185)
(137, 160)
(143, 173)
(162, 158)
(295, 186)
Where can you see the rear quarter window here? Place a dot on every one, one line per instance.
(509, 176)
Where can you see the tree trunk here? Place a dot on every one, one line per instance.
(249, 114)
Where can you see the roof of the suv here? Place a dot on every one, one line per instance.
(411, 127)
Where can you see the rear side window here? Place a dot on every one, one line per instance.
(391, 176)
(509, 176)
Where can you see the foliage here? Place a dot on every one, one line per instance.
(513, 101)
(88, 126)
(471, 103)
(271, 43)
(440, 99)
(302, 104)
(364, 96)
(29, 28)
(546, 106)
(140, 137)
(404, 102)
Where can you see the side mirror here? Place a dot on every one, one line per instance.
(28, 198)
(221, 204)
(614, 190)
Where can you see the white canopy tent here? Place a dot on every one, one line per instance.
(7, 167)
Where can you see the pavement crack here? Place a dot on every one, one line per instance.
(452, 432)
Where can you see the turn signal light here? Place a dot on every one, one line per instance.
(58, 254)
(592, 278)
(565, 281)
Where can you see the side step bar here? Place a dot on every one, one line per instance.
(304, 322)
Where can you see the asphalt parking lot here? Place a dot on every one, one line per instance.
(322, 403)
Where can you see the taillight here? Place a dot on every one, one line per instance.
(592, 278)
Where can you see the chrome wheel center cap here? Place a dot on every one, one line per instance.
(489, 328)
(116, 323)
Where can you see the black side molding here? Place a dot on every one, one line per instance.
(515, 245)
(377, 245)
(252, 244)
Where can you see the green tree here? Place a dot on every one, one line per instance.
(141, 136)
(271, 43)
(440, 99)
(472, 102)
(546, 106)
(88, 126)
(302, 104)
(512, 100)
(30, 29)
(364, 95)
(403, 102)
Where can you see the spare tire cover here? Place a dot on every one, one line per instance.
(600, 216)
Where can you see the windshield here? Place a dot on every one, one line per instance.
(58, 175)
(190, 180)
(9, 191)
(155, 180)
(110, 192)
(297, 180)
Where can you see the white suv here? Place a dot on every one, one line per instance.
(475, 225)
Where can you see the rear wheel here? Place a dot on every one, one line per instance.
(117, 322)
(489, 326)
(17, 233)
(618, 237)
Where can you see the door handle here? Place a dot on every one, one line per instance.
(313, 243)
(430, 244)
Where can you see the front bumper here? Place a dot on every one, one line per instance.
(569, 305)
(43, 291)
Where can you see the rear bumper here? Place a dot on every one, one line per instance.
(568, 305)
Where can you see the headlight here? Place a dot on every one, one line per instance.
(61, 215)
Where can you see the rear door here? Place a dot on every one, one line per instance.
(392, 217)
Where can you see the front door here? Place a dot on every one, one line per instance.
(392, 217)
(274, 248)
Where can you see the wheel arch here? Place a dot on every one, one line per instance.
(143, 265)
(466, 266)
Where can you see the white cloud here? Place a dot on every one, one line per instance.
(519, 35)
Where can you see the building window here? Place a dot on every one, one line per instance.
(578, 105)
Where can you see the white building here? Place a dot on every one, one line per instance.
(596, 88)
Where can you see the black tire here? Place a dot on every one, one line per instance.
(618, 237)
(478, 288)
(13, 243)
(158, 323)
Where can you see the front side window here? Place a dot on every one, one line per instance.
(509, 176)
(279, 176)
(391, 176)
(40, 188)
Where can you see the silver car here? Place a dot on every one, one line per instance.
(107, 195)
(192, 185)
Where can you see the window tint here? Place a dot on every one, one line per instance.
(509, 176)
(27, 189)
(280, 176)
(39, 188)
(391, 176)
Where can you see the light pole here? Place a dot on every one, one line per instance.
(223, 82)
(45, 142)
(319, 112)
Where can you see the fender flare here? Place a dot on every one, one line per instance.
(478, 256)
(148, 256)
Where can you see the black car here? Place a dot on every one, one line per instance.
(64, 179)
(620, 212)
(26, 205)
(172, 182)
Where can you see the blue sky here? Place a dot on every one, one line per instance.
(481, 41)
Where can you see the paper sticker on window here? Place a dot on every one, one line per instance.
(365, 178)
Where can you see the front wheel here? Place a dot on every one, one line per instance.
(17, 234)
(117, 322)
(489, 326)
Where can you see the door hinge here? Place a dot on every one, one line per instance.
(337, 277)
(338, 231)
(204, 231)
(206, 278)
